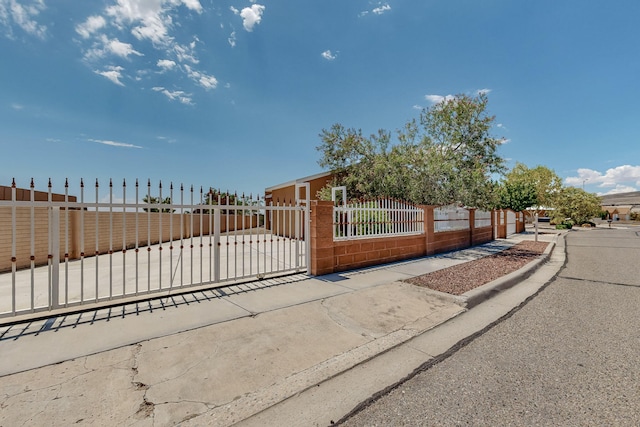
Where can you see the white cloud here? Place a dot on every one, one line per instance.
(436, 99)
(328, 55)
(186, 53)
(91, 25)
(113, 73)
(114, 143)
(381, 9)
(176, 95)
(22, 14)
(124, 25)
(619, 177)
(193, 5)
(619, 189)
(251, 16)
(119, 48)
(166, 64)
(17, 107)
(417, 107)
(232, 39)
(204, 80)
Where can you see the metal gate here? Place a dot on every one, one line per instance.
(511, 223)
(70, 252)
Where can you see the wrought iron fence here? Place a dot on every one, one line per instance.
(67, 251)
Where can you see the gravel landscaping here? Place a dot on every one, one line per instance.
(461, 278)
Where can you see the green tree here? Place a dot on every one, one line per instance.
(154, 201)
(546, 182)
(577, 205)
(446, 156)
(516, 195)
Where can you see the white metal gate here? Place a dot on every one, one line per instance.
(117, 248)
(511, 223)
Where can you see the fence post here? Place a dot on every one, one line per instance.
(429, 232)
(472, 225)
(216, 245)
(322, 246)
(54, 226)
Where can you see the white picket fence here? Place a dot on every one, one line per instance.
(376, 218)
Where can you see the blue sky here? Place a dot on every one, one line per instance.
(233, 94)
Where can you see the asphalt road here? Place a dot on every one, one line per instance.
(568, 357)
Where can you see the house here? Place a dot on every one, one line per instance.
(286, 192)
(618, 212)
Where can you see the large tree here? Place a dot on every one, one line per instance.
(517, 196)
(447, 156)
(577, 205)
(545, 181)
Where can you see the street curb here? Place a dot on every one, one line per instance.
(482, 293)
(434, 345)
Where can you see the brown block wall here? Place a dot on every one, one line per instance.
(446, 241)
(350, 254)
(482, 235)
(24, 194)
(329, 256)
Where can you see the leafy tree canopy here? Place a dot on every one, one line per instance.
(577, 205)
(517, 196)
(447, 156)
(545, 181)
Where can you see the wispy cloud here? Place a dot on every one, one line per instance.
(625, 176)
(328, 55)
(175, 95)
(90, 26)
(166, 64)
(114, 143)
(127, 28)
(17, 107)
(232, 39)
(113, 73)
(381, 9)
(436, 99)
(23, 14)
(202, 79)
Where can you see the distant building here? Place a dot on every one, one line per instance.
(621, 206)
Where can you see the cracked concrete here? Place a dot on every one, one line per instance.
(221, 372)
(216, 367)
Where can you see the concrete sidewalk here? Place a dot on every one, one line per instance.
(278, 351)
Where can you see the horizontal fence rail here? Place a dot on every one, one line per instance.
(376, 218)
(482, 219)
(450, 218)
(67, 251)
